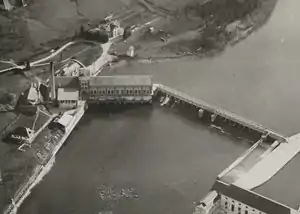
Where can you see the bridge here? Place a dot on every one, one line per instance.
(218, 112)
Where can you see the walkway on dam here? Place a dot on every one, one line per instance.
(271, 164)
(243, 164)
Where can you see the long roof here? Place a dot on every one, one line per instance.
(67, 82)
(284, 185)
(250, 198)
(67, 94)
(121, 80)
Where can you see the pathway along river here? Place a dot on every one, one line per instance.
(171, 161)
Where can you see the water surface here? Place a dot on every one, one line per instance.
(169, 160)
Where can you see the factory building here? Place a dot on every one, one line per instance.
(68, 90)
(230, 199)
(122, 88)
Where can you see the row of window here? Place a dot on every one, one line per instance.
(120, 92)
(84, 85)
(67, 101)
(238, 208)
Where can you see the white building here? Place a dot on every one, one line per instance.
(235, 200)
(208, 204)
(67, 97)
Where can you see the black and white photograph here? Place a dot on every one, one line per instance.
(149, 107)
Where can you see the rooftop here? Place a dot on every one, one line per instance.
(67, 94)
(251, 199)
(67, 82)
(33, 94)
(65, 119)
(121, 80)
(284, 186)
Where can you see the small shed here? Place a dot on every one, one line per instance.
(18, 135)
(65, 119)
(61, 122)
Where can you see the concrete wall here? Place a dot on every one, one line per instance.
(232, 206)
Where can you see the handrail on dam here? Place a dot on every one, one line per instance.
(220, 112)
(240, 159)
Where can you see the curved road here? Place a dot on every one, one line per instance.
(47, 58)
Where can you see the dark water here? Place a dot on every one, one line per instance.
(169, 160)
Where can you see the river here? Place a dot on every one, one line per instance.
(258, 78)
(171, 161)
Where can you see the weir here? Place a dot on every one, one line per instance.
(219, 118)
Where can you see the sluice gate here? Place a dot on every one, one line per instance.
(224, 121)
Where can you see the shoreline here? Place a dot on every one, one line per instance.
(40, 171)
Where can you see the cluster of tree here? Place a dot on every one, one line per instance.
(6, 98)
(95, 34)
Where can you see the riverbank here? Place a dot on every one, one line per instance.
(42, 155)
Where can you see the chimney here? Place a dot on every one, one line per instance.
(1, 179)
(52, 82)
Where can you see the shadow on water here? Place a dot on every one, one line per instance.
(97, 111)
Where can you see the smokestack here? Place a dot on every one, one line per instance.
(52, 81)
(1, 179)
